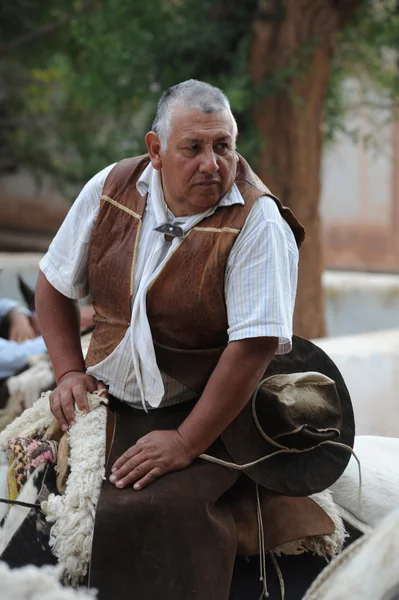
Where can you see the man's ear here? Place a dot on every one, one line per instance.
(154, 149)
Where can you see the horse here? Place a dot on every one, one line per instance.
(288, 576)
(27, 533)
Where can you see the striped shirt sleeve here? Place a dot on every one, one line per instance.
(261, 277)
(65, 264)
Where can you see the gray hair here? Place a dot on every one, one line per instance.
(192, 94)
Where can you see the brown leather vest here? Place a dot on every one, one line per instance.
(185, 304)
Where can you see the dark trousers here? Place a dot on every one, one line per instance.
(176, 538)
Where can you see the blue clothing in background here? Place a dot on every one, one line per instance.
(15, 355)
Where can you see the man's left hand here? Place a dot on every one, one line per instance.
(154, 455)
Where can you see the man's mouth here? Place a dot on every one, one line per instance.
(206, 183)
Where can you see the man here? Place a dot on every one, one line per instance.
(192, 269)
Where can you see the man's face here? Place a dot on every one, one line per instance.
(198, 166)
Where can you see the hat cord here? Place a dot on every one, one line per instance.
(299, 451)
(236, 467)
(279, 575)
(281, 449)
(262, 551)
(262, 554)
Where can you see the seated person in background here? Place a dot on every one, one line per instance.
(20, 337)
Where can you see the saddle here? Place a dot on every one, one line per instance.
(291, 524)
(287, 519)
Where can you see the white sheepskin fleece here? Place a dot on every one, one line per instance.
(34, 583)
(73, 513)
(328, 545)
(323, 545)
(32, 420)
(31, 382)
(367, 570)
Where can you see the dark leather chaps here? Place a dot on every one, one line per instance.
(176, 538)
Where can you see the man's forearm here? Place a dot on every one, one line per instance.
(229, 388)
(60, 326)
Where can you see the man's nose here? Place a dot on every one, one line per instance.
(208, 162)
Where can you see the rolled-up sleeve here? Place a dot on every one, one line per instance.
(261, 278)
(65, 264)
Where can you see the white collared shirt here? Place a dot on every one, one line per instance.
(260, 281)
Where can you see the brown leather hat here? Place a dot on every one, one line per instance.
(296, 417)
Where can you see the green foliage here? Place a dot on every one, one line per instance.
(82, 79)
(91, 96)
(367, 54)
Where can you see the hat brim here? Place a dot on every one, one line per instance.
(294, 474)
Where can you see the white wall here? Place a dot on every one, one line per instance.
(369, 364)
(358, 169)
(360, 302)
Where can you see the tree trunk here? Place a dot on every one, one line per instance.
(289, 63)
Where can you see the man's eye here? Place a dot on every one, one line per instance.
(222, 146)
(194, 147)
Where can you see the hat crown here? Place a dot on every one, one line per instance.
(293, 408)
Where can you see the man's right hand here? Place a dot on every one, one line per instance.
(72, 387)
